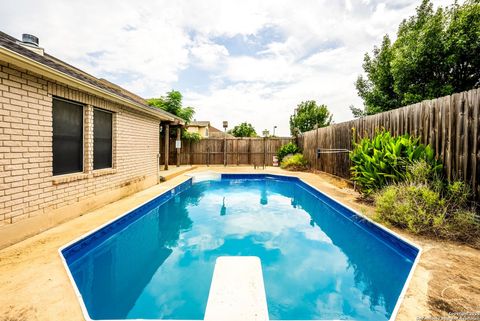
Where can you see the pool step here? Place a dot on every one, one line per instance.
(237, 292)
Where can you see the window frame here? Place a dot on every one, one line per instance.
(82, 153)
(112, 154)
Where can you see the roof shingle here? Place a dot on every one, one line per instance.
(12, 44)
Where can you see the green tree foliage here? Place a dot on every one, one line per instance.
(462, 44)
(192, 137)
(172, 103)
(308, 115)
(436, 54)
(243, 130)
(377, 90)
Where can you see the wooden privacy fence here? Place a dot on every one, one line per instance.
(239, 151)
(450, 124)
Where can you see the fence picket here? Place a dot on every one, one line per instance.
(451, 125)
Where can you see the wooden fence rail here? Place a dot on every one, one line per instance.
(239, 151)
(450, 124)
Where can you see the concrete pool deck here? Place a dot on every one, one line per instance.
(34, 284)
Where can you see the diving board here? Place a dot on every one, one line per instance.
(237, 292)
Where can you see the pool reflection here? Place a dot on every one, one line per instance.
(316, 263)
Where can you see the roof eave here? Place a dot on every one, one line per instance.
(12, 57)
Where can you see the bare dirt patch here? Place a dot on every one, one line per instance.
(18, 314)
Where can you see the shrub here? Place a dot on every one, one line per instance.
(294, 162)
(430, 207)
(290, 148)
(191, 137)
(414, 207)
(383, 160)
(421, 210)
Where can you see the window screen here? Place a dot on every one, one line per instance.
(102, 139)
(67, 137)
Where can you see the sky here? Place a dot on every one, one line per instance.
(242, 60)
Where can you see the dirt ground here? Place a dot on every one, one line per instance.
(35, 286)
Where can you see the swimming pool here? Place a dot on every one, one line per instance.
(320, 260)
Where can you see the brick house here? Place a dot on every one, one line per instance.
(69, 142)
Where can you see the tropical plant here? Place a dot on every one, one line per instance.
(384, 159)
(296, 162)
(290, 148)
(308, 115)
(243, 130)
(435, 54)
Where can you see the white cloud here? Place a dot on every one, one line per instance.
(208, 55)
(273, 70)
(144, 46)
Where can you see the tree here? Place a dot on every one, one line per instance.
(436, 54)
(419, 66)
(172, 103)
(243, 130)
(377, 90)
(463, 45)
(308, 115)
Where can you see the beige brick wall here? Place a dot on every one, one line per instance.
(27, 187)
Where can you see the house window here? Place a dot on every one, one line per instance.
(206, 131)
(102, 139)
(67, 137)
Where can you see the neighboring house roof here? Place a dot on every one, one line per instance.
(198, 124)
(214, 130)
(12, 51)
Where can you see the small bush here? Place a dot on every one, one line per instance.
(191, 137)
(421, 210)
(421, 172)
(384, 159)
(414, 207)
(294, 163)
(429, 206)
(287, 149)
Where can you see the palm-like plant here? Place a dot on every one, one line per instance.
(384, 159)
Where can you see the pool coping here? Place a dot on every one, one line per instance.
(189, 177)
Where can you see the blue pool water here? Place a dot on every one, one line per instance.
(319, 260)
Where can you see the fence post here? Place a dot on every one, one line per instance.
(167, 145)
(236, 148)
(208, 156)
(317, 156)
(178, 149)
(225, 150)
(190, 154)
(264, 151)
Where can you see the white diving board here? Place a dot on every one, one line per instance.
(237, 292)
